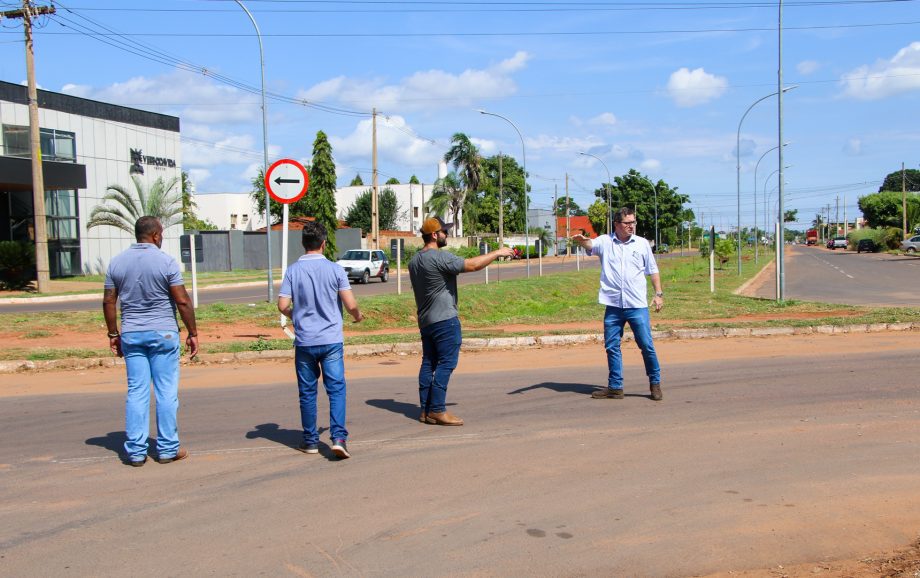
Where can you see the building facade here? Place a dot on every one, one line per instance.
(86, 147)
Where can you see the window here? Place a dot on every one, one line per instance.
(415, 212)
(56, 145)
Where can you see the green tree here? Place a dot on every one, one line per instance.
(545, 237)
(319, 203)
(894, 182)
(190, 221)
(359, 213)
(447, 197)
(574, 209)
(392, 181)
(724, 250)
(790, 216)
(637, 191)
(121, 209)
(356, 182)
(597, 214)
(413, 180)
(884, 209)
(512, 194)
(464, 156)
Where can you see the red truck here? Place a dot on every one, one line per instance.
(811, 237)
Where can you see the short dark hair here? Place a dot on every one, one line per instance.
(623, 212)
(145, 227)
(427, 237)
(314, 233)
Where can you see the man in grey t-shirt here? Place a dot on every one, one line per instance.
(433, 274)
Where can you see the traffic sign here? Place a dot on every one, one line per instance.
(287, 181)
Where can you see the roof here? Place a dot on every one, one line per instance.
(576, 225)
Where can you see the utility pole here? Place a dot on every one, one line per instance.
(43, 277)
(846, 225)
(501, 209)
(555, 220)
(904, 200)
(375, 225)
(837, 217)
(568, 212)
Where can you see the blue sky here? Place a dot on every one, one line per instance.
(656, 86)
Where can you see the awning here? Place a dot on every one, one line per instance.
(16, 174)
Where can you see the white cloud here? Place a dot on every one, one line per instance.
(886, 77)
(396, 143)
(568, 145)
(853, 147)
(694, 87)
(650, 165)
(604, 119)
(424, 90)
(807, 67)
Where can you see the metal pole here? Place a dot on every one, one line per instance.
(738, 169)
(524, 168)
(756, 238)
(268, 219)
(780, 267)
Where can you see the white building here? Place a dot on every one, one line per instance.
(86, 146)
(230, 211)
(409, 199)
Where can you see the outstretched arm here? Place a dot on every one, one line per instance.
(476, 263)
(583, 241)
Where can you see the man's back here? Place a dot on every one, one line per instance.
(313, 284)
(143, 274)
(433, 274)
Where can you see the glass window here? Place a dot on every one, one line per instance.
(56, 145)
(15, 141)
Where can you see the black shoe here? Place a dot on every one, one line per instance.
(655, 390)
(308, 448)
(136, 463)
(340, 449)
(608, 393)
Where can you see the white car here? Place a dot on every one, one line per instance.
(361, 265)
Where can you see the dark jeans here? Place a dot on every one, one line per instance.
(440, 352)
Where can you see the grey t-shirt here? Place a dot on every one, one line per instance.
(433, 275)
(143, 275)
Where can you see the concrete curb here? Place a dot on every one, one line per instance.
(471, 344)
(97, 296)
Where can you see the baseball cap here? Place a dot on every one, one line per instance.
(435, 224)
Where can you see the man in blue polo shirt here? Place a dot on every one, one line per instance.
(312, 295)
(626, 259)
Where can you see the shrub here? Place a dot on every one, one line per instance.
(17, 264)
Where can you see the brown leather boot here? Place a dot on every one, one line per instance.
(444, 418)
(655, 390)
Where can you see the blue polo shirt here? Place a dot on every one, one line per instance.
(313, 284)
(143, 274)
(624, 265)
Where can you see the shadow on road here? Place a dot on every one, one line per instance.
(274, 433)
(410, 410)
(113, 441)
(580, 388)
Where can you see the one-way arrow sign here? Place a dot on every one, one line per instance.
(286, 181)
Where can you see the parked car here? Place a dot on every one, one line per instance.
(837, 243)
(361, 265)
(865, 245)
(911, 245)
(664, 248)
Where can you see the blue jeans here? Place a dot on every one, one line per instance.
(615, 319)
(151, 356)
(440, 352)
(308, 361)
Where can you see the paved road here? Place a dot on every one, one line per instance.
(840, 276)
(764, 452)
(254, 293)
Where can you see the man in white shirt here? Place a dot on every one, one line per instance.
(626, 259)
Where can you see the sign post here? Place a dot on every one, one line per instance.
(286, 181)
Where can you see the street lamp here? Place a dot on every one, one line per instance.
(738, 162)
(655, 191)
(524, 167)
(756, 238)
(268, 222)
(607, 187)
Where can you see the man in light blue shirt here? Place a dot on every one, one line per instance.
(312, 294)
(626, 259)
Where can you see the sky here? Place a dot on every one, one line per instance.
(655, 86)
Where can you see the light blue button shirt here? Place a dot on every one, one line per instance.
(624, 266)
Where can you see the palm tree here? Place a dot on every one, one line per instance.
(160, 201)
(464, 156)
(447, 197)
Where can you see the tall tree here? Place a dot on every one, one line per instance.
(464, 156)
(447, 198)
(574, 209)
(320, 199)
(512, 179)
(358, 215)
(597, 214)
(636, 190)
(357, 181)
(893, 182)
(121, 209)
(413, 180)
(884, 209)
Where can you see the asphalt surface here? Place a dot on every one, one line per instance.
(763, 452)
(840, 276)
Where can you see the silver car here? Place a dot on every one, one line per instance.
(911, 245)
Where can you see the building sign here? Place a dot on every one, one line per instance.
(139, 159)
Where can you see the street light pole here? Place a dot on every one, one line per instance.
(268, 221)
(607, 188)
(756, 238)
(524, 168)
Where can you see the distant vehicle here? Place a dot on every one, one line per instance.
(911, 245)
(664, 248)
(837, 243)
(865, 245)
(362, 265)
(811, 237)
